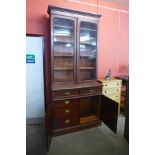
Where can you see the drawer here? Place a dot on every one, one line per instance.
(65, 93)
(65, 112)
(111, 90)
(66, 122)
(67, 103)
(116, 96)
(111, 84)
(91, 90)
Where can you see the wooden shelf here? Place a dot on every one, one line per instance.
(57, 55)
(87, 68)
(87, 56)
(64, 26)
(87, 29)
(87, 43)
(87, 119)
(63, 42)
(57, 69)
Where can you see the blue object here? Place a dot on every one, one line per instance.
(30, 58)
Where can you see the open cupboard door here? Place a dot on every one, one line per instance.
(109, 113)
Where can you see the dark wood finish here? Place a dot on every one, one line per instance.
(65, 112)
(126, 128)
(76, 128)
(125, 79)
(75, 91)
(109, 113)
(50, 7)
(67, 103)
(65, 93)
(66, 122)
(88, 119)
(91, 90)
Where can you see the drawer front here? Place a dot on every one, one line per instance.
(116, 96)
(111, 84)
(67, 103)
(111, 90)
(65, 112)
(90, 90)
(66, 122)
(65, 93)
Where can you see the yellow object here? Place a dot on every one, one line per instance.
(112, 89)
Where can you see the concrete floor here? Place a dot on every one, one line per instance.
(35, 140)
(94, 141)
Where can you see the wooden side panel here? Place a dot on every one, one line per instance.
(49, 119)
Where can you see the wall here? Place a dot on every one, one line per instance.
(113, 30)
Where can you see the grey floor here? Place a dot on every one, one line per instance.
(94, 141)
(35, 140)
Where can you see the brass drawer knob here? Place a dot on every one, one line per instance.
(117, 83)
(67, 93)
(67, 101)
(67, 121)
(117, 89)
(67, 111)
(91, 91)
(105, 91)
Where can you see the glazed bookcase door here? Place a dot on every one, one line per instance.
(63, 49)
(88, 51)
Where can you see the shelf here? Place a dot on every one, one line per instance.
(87, 119)
(87, 43)
(63, 42)
(87, 29)
(56, 35)
(87, 68)
(57, 55)
(64, 26)
(88, 56)
(57, 69)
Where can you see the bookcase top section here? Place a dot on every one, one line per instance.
(54, 8)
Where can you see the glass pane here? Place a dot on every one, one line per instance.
(88, 47)
(63, 34)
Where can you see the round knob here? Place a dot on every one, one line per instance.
(67, 121)
(67, 101)
(91, 91)
(67, 93)
(67, 111)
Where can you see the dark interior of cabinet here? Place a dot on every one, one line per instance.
(89, 109)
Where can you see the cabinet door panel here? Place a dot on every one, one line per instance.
(63, 49)
(88, 51)
(109, 113)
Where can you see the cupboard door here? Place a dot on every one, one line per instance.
(88, 51)
(63, 49)
(109, 113)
